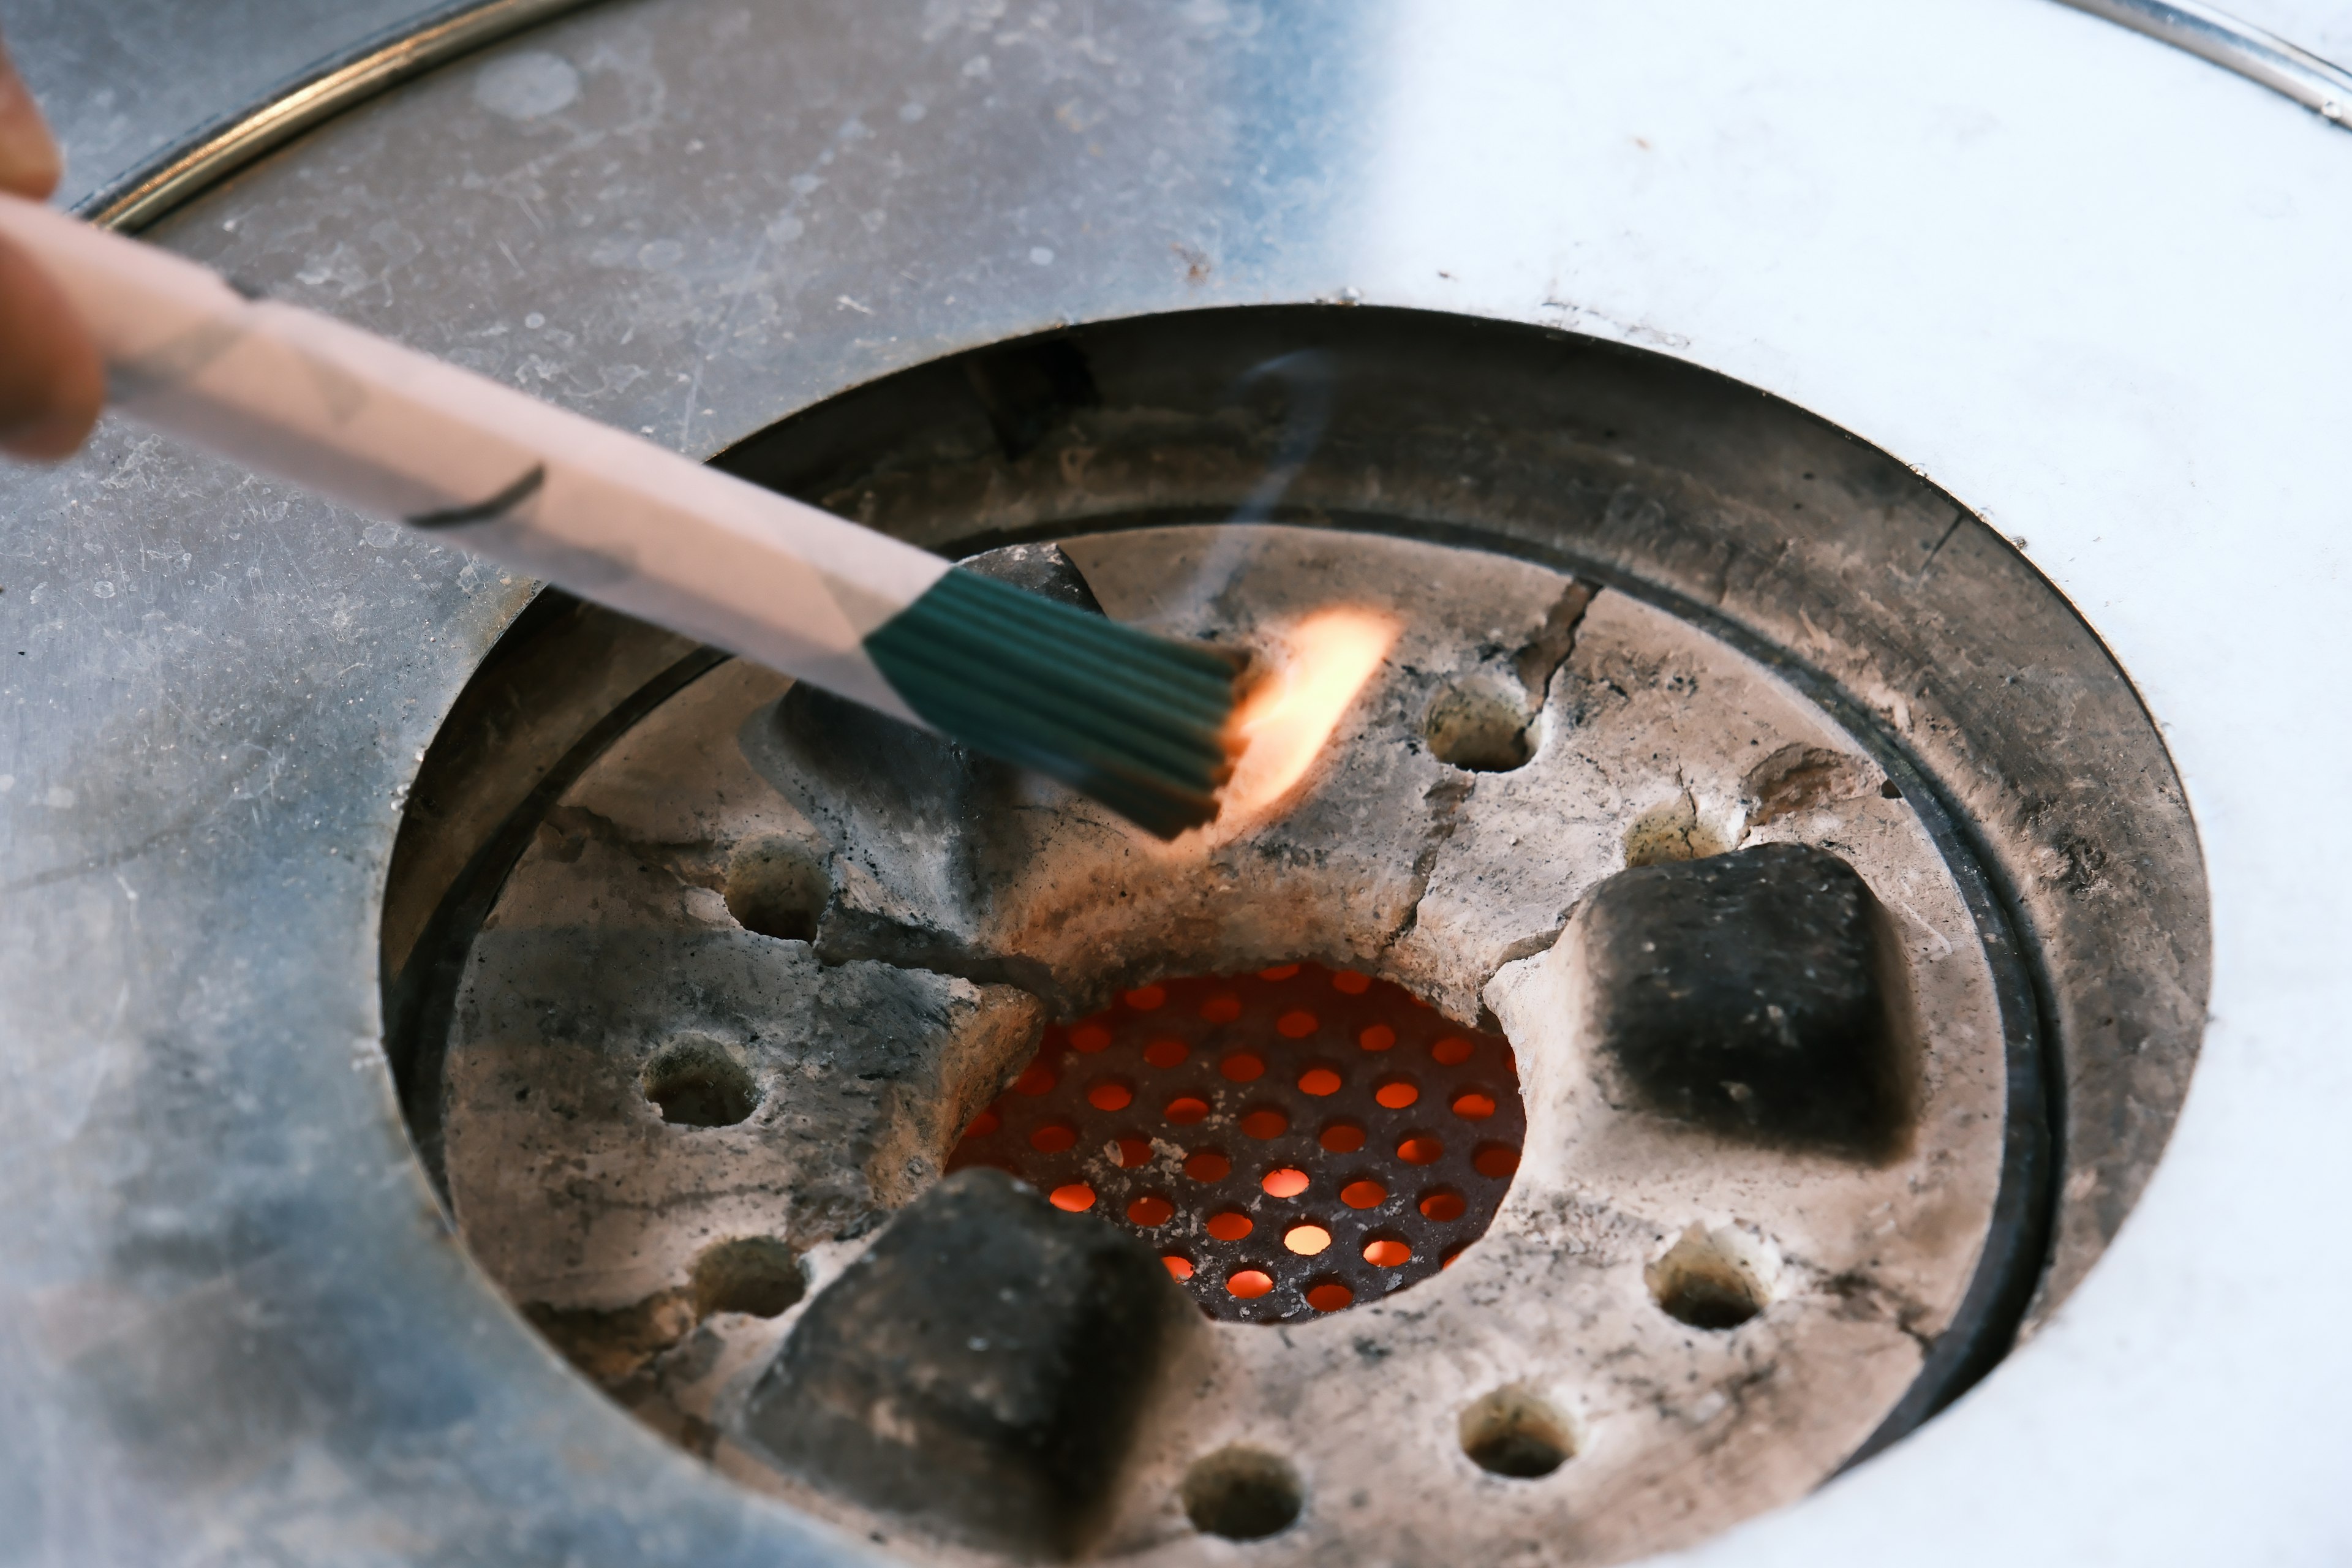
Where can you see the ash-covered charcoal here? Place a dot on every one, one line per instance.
(979, 1370)
(1759, 995)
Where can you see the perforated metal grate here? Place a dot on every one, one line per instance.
(1292, 1142)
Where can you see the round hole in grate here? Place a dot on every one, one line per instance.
(1208, 1166)
(759, 1275)
(1307, 1238)
(1513, 1432)
(1279, 1181)
(1330, 1295)
(1714, 1279)
(1285, 1182)
(1242, 1494)
(697, 1082)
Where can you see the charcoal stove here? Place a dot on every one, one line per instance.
(461, 1043)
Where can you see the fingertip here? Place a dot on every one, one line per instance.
(49, 439)
(52, 382)
(30, 164)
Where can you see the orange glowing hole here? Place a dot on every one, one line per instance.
(1443, 1207)
(1249, 1284)
(1279, 971)
(1117, 1097)
(1144, 998)
(1207, 1166)
(1447, 1261)
(981, 1126)
(1150, 1209)
(1396, 1094)
(1363, 1193)
(1284, 1183)
(1319, 1081)
(1039, 1080)
(1307, 1240)
(1329, 1296)
(1222, 1009)
(1265, 1124)
(1165, 1053)
(1474, 1106)
(1379, 1037)
(1186, 1108)
(1496, 1160)
(1296, 1024)
(1387, 1254)
(1421, 1150)
(1075, 1198)
(1178, 1268)
(1088, 1038)
(1230, 1226)
(1128, 1153)
(1342, 1138)
(1352, 983)
(1452, 1050)
(1242, 1067)
(1053, 1138)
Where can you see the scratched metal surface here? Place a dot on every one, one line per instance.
(123, 81)
(234, 1321)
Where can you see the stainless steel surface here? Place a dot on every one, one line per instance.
(694, 219)
(407, 49)
(2235, 45)
(127, 82)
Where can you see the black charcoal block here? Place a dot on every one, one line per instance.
(980, 1370)
(1040, 568)
(1759, 995)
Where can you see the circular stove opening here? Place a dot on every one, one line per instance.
(704, 993)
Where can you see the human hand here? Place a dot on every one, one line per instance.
(51, 383)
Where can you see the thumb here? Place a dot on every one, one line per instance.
(51, 382)
(28, 156)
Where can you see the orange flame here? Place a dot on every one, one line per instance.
(1287, 718)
